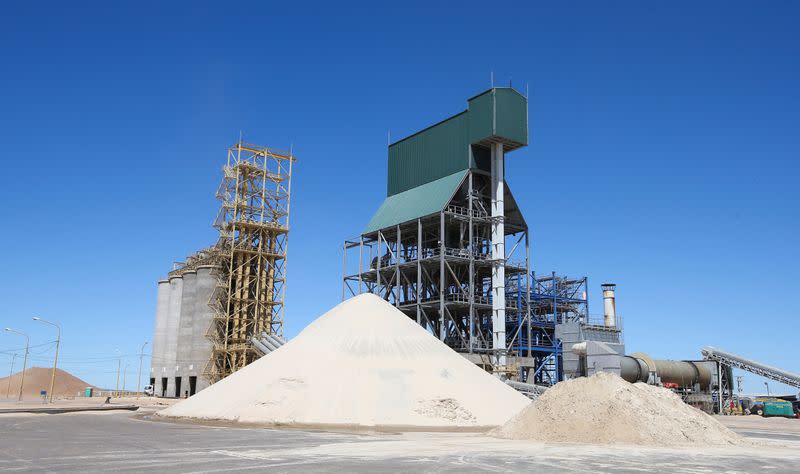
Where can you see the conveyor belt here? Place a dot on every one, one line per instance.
(734, 360)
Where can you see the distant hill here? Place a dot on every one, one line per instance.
(38, 378)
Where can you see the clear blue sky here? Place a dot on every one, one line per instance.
(663, 157)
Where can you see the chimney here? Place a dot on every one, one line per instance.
(609, 305)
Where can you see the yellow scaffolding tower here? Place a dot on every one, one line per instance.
(253, 223)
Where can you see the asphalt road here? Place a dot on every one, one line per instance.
(119, 441)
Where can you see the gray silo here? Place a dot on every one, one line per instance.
(159, 334)
(184, 340)
(201, 345)
(167, 387)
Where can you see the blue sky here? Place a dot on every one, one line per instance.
(663, 155)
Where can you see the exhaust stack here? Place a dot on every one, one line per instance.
(609, 305)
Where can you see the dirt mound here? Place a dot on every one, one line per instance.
(604, 409)
(38, 378)
(362, 364)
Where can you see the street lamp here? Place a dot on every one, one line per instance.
(141, 355)
(124, 377)
(25, 360)
(119, 366)
(766, 384)
(55, 361)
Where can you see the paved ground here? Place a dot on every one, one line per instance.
(119, 441)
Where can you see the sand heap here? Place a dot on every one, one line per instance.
(362, 364)
(38, 378)
(605, 409)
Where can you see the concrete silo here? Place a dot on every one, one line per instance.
(167, 385)
(160, 333)
(184, 342)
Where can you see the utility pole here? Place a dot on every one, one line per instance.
(8, 390)
(141, 355)
(55, 361)
(25, 360)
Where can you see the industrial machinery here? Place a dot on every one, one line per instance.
(703, 384)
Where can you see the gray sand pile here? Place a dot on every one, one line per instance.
(362, 364)
(605, 409)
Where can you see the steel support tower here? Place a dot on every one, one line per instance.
(253, 223)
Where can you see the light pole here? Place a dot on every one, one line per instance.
(25, 360)
(124, 377)
(766, 384)
(55, 361)
(139, 380)
(8, 390)
(119, 364)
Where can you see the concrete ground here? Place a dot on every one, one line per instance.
(121, 441)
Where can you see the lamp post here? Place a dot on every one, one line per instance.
(55, 361)
(766, 384)
(25, 360)
(13, 358)
(119, 365)
(139, 380)
(124, 377)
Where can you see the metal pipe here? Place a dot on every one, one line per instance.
(275, 340)
(257, 343)
(265, 341)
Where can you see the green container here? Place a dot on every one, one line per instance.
(88, 392)
(778, 409)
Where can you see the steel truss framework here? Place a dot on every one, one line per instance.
(437, 270)
(554, 300)
(253, 223)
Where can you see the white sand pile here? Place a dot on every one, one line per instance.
(605, 409)
(362, 364)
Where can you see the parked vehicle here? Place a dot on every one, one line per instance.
(148, 390)
(773, 407)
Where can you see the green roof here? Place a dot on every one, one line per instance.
(417, 202)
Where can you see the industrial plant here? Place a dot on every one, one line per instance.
(449, 247)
